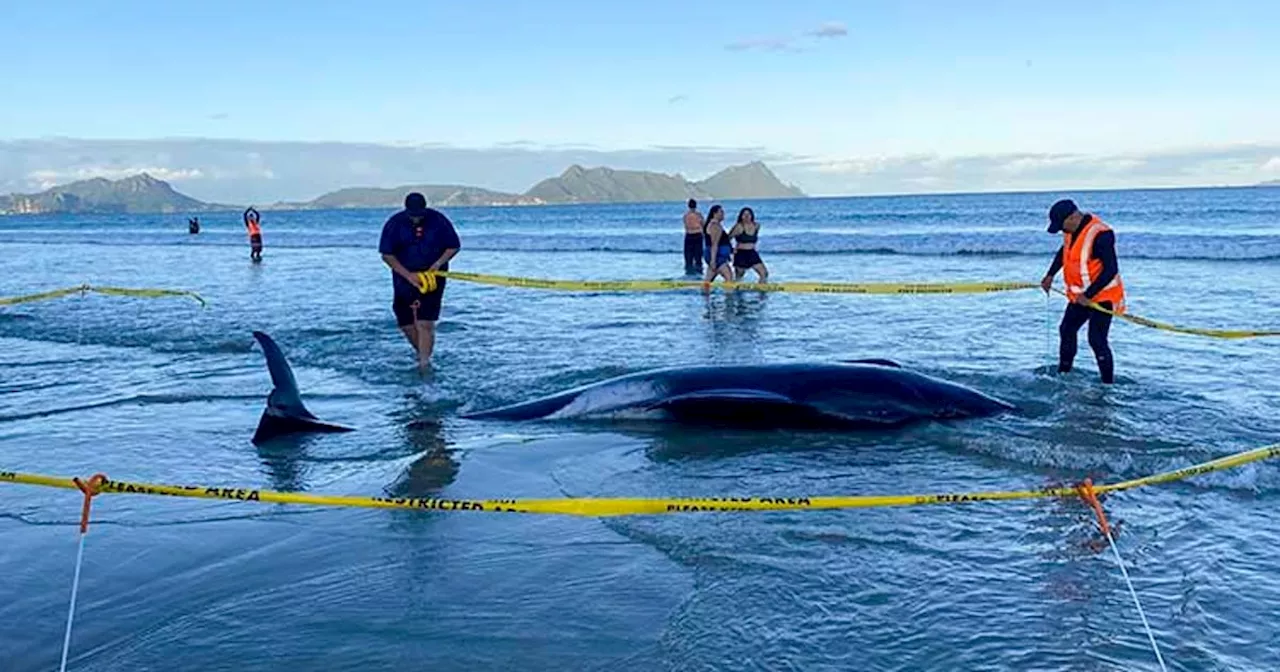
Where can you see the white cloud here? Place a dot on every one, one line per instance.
(867, 165)
(256, 166)
(362, 167)
(1196, 166)
(1032, 164)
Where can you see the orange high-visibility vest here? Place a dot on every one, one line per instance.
(254, 229)
(1079, 268)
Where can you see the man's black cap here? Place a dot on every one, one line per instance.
(1059, 214)
(415, 202)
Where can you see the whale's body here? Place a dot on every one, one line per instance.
(866, 393)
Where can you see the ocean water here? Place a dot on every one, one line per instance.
(161, 390)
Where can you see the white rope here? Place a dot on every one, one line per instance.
(1136, 603)
(75, 587)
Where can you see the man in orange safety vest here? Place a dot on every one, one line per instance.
(1087, 259)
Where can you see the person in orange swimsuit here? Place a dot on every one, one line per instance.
(251, 219)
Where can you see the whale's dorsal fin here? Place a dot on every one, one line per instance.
(285, 412)
(284, 398)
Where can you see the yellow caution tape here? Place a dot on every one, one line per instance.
(798, 287)
(113, 291)
(42, 296)
(1165, 326)
(427, 283)
(597, 507)
(1212, 333)
(1220, 464)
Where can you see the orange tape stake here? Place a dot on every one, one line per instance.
(90, 490)
(1090, 497)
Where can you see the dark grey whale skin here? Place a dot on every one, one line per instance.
(855, 394)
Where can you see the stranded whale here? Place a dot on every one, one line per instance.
(856, 394)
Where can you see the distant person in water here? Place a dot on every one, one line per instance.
(746, 232)
(251, 219)
(193, 225)
(692, 239)
(1091, 273)
(718, 252)
(415, 240)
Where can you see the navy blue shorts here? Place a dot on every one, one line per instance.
(428, 305)
(722, 256)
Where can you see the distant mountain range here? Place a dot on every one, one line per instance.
(145, 194)
(575, 185)
(137, 194)
(1270, 183)
(605, 185)
(437, 194)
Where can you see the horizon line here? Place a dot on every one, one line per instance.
(219, 207)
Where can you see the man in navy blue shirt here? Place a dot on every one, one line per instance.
(414, 240)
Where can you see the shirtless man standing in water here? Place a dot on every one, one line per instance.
(693, 239)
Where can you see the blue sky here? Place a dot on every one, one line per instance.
(835, 95)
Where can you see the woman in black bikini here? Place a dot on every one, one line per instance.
(746, 232)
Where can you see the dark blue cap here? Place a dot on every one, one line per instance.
(415, 202)
(1059, 214)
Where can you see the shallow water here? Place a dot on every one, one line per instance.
(160, 390)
